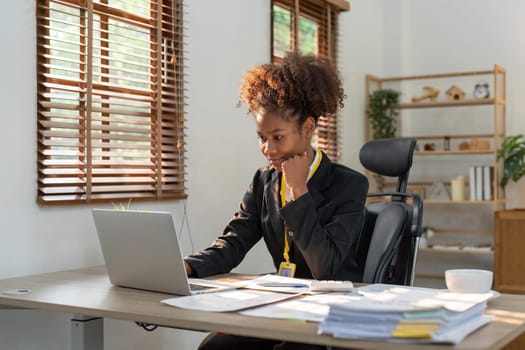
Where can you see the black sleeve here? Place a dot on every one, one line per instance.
(239, 236)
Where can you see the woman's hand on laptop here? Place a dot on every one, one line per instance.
(187, 267)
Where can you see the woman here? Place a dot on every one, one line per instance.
(307, 209)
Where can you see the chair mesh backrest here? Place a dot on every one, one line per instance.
(386, 245)
(391, 228)
(389, 157)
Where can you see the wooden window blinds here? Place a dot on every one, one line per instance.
(110, 100)
(310, 26)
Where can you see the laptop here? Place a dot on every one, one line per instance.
(142, 251)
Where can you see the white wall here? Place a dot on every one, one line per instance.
(222, 157)
(449, 36)
(360, 52)
(222, 144)
(469, 35)
(452, 36)
(381, 37)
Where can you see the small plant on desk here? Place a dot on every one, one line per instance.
(121, 206)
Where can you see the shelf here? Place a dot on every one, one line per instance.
(448, 201)
(438, 104)
(497, 70)
(455, 251)
(463, 136)
(469, 151)
(439, 201)
(462, 231)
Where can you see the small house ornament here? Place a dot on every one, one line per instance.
(454, 93)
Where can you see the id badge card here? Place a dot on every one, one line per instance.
(286, 269)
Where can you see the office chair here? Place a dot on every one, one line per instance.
(387, 246)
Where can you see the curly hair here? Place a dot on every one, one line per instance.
(302, 85)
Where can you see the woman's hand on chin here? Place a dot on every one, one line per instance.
(295, 172)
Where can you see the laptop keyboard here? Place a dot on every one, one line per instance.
(197, 287)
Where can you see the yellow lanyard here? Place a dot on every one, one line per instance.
(319, 155)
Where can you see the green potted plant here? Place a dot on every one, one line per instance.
(512, 152)
(382, 113)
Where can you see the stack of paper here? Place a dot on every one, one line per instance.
(407, 314)
(313, 308)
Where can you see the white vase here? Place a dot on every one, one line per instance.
(515, 197)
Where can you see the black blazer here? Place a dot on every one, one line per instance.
(323, 225)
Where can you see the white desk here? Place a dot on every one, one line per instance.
(88, 292)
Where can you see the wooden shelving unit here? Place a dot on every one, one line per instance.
(444, 201)
(455, 251)
(458, 152)
(493, 108)
(484, 101)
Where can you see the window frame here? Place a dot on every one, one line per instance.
(146, 163)
(326, 14)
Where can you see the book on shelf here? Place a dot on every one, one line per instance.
(479, 183)
(472, 183)
(481, 178)
(488, 178)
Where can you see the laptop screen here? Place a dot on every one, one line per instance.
(141, 250)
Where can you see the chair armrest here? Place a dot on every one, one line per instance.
(417, 204)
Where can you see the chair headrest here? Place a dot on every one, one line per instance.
(388, 157)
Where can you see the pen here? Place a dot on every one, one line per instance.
(283, 284)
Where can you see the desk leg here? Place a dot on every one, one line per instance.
(87, 333)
